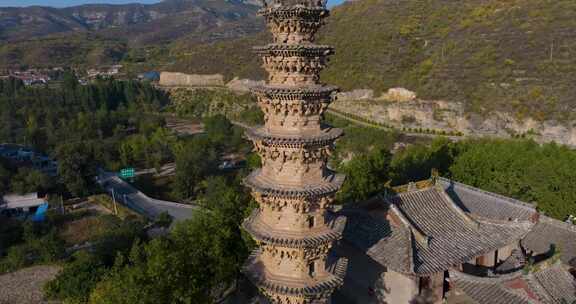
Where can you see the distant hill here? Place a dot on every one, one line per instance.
(58, 32)
(517, 56)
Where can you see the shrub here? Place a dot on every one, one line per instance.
(75, 282)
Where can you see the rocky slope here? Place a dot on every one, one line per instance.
(176, 17)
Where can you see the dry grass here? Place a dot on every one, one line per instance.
(80, 231)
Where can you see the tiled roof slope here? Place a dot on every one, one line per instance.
(550, 285)
(389, 246)
(554, 284)
(549, 233)
(454, 238)
(431, 234)
(490, 290)
(486, 204)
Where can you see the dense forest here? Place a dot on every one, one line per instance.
(83, 127)
(539, 174)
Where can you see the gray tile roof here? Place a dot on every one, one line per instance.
(550, 233)
(430, 233)
(389, 246)
(484, 290)
(552, 284)
(486, 204)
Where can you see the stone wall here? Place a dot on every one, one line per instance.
(170, 79)
(243, 85)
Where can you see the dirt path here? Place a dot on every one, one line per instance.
(25, 286)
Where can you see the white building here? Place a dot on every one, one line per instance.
(15, 204)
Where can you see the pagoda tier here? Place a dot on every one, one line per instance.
(293, 225)
(294, 64)
(299, 236)
(285, 289)
(294, 24)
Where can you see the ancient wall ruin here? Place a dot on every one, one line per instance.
(170, 79)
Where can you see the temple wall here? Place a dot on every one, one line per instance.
(368, 282)
(401, 288)
(504, 253)
(437, 286)
(170, 79)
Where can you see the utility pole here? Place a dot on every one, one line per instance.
(114, 202)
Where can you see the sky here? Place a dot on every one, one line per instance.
(64, 3)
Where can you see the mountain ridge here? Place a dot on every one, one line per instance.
(17, 24)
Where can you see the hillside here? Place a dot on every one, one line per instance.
(515, 56)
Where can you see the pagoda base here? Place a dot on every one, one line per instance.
(284, 290)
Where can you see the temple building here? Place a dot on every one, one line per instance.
(437, 237)
(465, 244)
(293, 226)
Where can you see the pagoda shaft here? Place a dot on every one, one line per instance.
(294, 188)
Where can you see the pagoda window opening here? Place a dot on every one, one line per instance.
(312, 269)
(311, 222)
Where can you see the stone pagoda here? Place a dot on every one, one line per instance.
(293, 225)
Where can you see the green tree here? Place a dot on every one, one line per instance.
(194, 161)
(77, 167)
(28, 180)
(75, 282)
(186, 267)
(416, 162)
(365, 176)
(218, 128)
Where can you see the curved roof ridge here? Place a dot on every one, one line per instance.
(469, 219)
(506, 199)
(416, 233)
(514, 223)
(492, 279)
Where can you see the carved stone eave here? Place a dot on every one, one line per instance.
(295, 92)
(329, 186)
(303, 50)
(301, 12)
(327, 137)
(265, 234)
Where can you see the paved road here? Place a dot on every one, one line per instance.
(139, 202)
